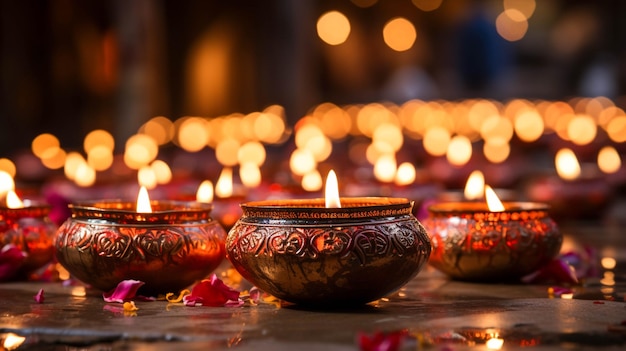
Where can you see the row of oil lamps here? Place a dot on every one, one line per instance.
(331, 250)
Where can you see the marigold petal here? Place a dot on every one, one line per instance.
(125, 290)
(169, 296)
(130, 306)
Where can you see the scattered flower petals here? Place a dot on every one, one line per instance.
(556, 271)
(211, 292)
(125, 290)
(169, 296)
(39, 296)
(381, 341)
(11, 258)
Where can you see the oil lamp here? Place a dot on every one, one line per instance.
(490, 241)
(26, 226)
(166, 244)
(331, 251)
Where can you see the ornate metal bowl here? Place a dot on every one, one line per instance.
(302, 252)
(30, 230)
(472, 243)
(103, 243)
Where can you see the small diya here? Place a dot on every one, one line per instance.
(27, 226)
(308, 252)
(471, 241)
(168, 248)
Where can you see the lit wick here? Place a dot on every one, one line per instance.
(143, 201)
(332, 191)
(475, 186)
(493, 202)
(13, 201)
(224, 186)
(205, 192)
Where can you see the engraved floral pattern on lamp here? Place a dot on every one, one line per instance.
(316, 255)
(471, 243)
(169, 250)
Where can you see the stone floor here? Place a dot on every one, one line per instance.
(435, 312)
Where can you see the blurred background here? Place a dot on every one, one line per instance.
(285, 90)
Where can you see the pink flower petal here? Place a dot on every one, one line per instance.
(211, 292)
(191, 301)
(11, 258)
(39, 296)
(238, 303)
(556, 271)
(125, 290)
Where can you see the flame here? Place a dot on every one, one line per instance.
(13, 341)
(13, 201)
(494, 343)
(332, 191)
(6, 182)
(143, 201)
(493, 202)
(205, 192)
(224, 186)
(475, 186)
(567, 165)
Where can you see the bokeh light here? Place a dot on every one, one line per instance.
(8, 166)
(312, 181)
(609, 160)
(459, 150)
(496, 150)
(399, 34)
(250, 175)
(581, 129)
(436, 141)
(252, 152)
(427, 5)
(160, 128)
(526, 7)
(85, 176)
(140, 150)
(162, 171)
(405, 174)
(385, 168)
(100, 157)
(512, 25)
(333, 27)
(227, 152)
(193, 134)
(302, 162)
(567, 166)
(146, 177)
(98, 138)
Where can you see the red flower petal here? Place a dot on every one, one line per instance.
(380, 341)
(211, 292)
(11, 258)
(39, 296)
(125, 290)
